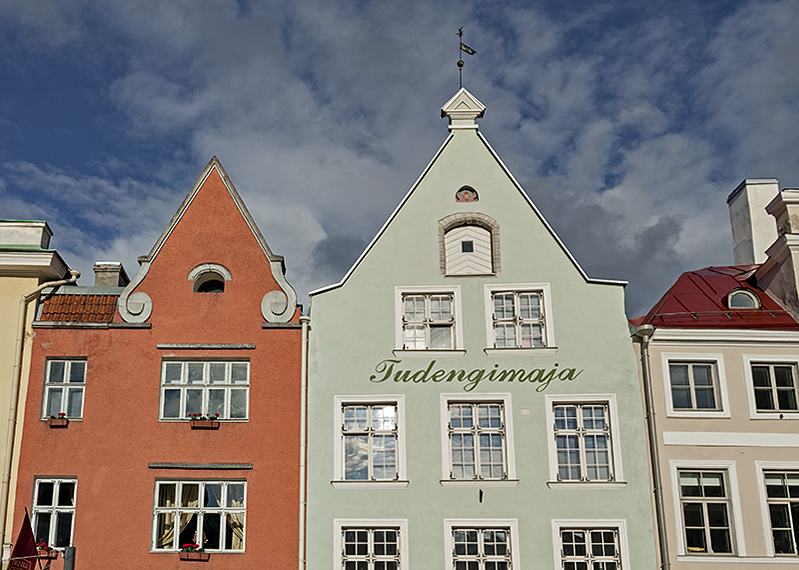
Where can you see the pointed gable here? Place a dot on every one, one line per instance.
(211, 259)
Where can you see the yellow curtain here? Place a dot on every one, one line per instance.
(236, 523)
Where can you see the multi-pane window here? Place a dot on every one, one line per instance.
(477, 440)
(590, 549)
(370, 548)
(54, 511)
(693, 386)
(518, 319)
(370, 435)
(705, 512)
(65, 382)
(775, 387)
(428, 322)
(782, 492)
(207, 513)
(582, 438)
(215, 388)
(481, 549)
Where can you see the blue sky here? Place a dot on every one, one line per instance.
(628, 123)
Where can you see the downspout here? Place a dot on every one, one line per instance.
(305, 320)
(645, 332)
(11, 431)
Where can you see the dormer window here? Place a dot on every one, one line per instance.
(743, 299)
(209, 278)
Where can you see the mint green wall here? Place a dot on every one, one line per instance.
(353, 329)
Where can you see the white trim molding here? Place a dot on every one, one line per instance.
(510, 456)
(618, 482)
(748, 360)
(338, 480)
(717, 360)
(737, 527)
(730, 439)
(726, 337)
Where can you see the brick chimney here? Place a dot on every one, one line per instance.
(110, 274)
(753, 230)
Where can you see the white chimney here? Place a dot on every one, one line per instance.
(753, 229)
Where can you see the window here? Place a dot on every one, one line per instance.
(774, 387)
(743, 299)
(370, 549)
(482, 544)
(782, 492)
(54, 511)
(427, 321)
(705, 506)
(64, 385)
(590, 544)
(370, 436)
(693, 386)
(518, 318)
(209, 278)
(583, 446)
(478, 440)
(584, 548)
(205, 387)
(370, 450)
(208, 513)
(468, 251)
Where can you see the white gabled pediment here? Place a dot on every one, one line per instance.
(462, 110)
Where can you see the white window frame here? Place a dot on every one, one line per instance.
(373, 524)
(338, 462)
(510, 459)
(54, 509)
(717, 361)
(761, 467)
(549, 348)
(184, 386)
(64, 386)
(457, 315)
(550, 401)
(748, 361)
(620, 525)
(736, 514)
(511, 525)
(199, 510)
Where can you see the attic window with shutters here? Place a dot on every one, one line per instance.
(743, 299)
(469, 245)
(209, 278)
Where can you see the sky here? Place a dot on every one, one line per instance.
(627, 122)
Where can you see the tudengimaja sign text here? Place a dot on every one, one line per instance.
(385, 370)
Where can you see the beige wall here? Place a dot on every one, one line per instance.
(11, 290)
(734, 440)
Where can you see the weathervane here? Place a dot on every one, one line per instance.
(462, 48)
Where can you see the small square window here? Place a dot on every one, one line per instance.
(64, 387)
(467, 246)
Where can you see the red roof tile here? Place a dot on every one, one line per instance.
(698, 299)
(79, 308)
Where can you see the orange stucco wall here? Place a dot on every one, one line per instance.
(120, 434)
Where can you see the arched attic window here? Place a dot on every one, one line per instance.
(469, 245)
(209, 278)
(743, 299)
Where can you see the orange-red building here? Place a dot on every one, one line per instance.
(209, 328)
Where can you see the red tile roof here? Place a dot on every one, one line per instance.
(79, 308)
(698, 299)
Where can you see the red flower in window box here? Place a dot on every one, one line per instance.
(204, 421)
(193, 551)
(58, 421)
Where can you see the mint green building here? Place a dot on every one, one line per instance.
(473, 395)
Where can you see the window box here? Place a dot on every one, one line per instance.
(204, 424)
(58, 422)
(199, 556)
(48, 554)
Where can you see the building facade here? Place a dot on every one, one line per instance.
(719, 362)
(165, 411)
(26, 261)
(473, 397)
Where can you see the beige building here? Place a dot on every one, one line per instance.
(719, 355)
(25, 262)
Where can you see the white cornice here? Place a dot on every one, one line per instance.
(43, 265)
(736, 336)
